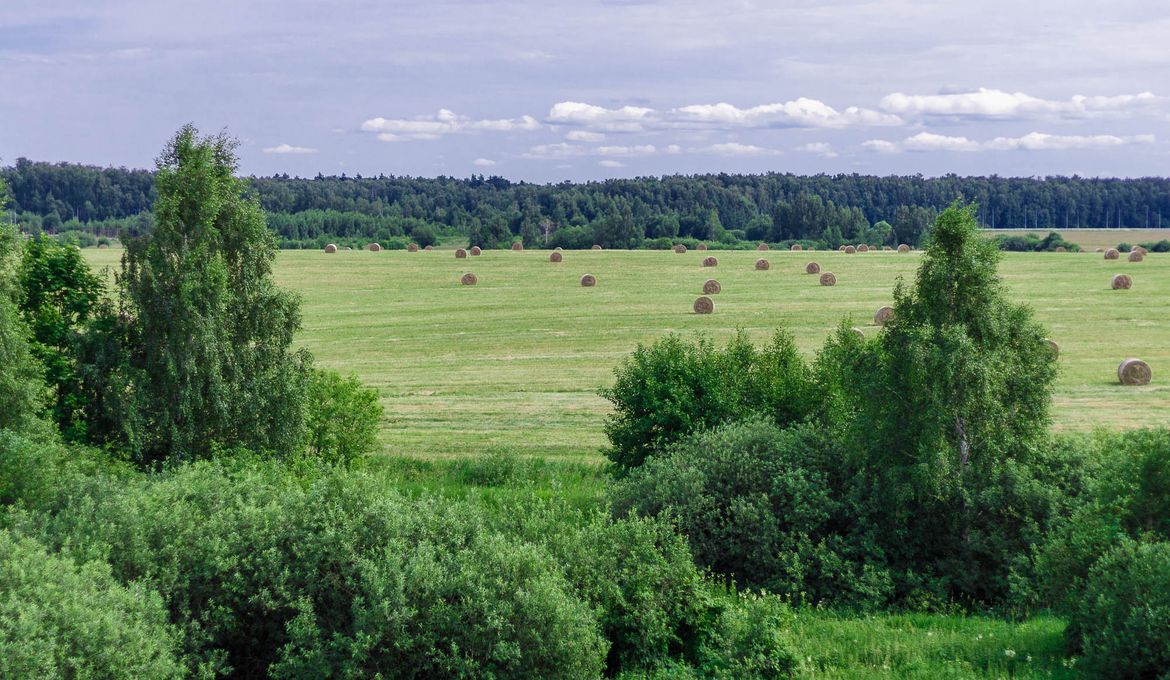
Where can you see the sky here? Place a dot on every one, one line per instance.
(556, 90)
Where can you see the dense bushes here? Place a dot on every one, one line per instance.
(61, 620)
(1033, 243)
(675, 386)
(341, 417)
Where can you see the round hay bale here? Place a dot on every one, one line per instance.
(796, 247)
(1112, 254)
(1134, 372)
(1136, 256)
(701, 246)
(863, 248)
(883, 315)
(679, 248)
(841, 248)
(103, 246)
(1053, 347)
(710, 261)
(763, 265)
(475, 251)
(595, 247)
(1099, 250)
(1140, 249)
(827, 279)
(812, 268)
(1122, 282)
(348, 248)
(558, 249)
(1061, 249)
(589, 280)
(860, 333)
(762, 247)
(412, 248)
(849, 250)
(704, 305)
(331, 248)
(460, 253)
(517, 246)
(429, 248)
(374, 247)
(903, 248)
(469, 279)
(711, 287)
(555, 256)
(887, 248)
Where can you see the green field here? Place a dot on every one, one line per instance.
(1094, 238)
(514, 363)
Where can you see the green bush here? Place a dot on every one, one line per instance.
(341, 417)
(760, 504)
(1123, 617)
(674, 387)
(61, 620)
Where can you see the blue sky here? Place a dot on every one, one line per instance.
(555, 90)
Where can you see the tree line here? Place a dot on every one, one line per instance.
(645, 211)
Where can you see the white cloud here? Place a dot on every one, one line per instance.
(673, 149)
(820, 148)
(1033, 141)
(444, 122)
(607, 163)
(737, 149)
(288, 148)
(801, 112)
(990, 103)
(635, 150)
(483, 162)
(584, 136)
(623, 119)
(562, 150)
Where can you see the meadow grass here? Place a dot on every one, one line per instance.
(515, 362)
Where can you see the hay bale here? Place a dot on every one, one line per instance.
(701, 246)
(863, 248)
(1122, 282)
(903, 248)
(1061, 249)
(883, 315)
(1099, 250)
(710, 261)
(103, 246)
(475, 251)
(1112, 254)
(762, 247)
(860, 333)
(679, 248)
(589, 280)
(331, 248)
(595, 247)
(796, 248)
(841, 248)
(1140, 249)
(1052, 347)
(517, 246)
(412, 248)
(763, 265)
(1136, 256)
(812, 268)
(429, 248)
(555, 256)
(711, 287)
(469, 279)
(887, 249)
(827, 279)
(348, 248)
(1134, 372)
(374, 247)
(849, 250)
(704, 305)
(460, 253)
(558, 249)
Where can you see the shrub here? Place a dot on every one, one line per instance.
(61, 620)
(1123, 617)
(675, 386)
(424, 236)
(341, 417)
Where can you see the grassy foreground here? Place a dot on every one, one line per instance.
(514, 363)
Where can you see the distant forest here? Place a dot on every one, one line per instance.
(723, 210)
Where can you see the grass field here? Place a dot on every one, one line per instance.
(1094, 238)
(514, 363)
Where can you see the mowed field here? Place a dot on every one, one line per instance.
(514, 363)
(1094, 238)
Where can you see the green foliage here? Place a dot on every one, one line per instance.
(197, 357)
(59, 294)
(1033, 243)
(675, 386)
(760, 504)
(60, 620)
(1123, 616)
(424, 236)
(341, 417)
(21, 390)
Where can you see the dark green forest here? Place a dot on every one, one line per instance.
(651, 212)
